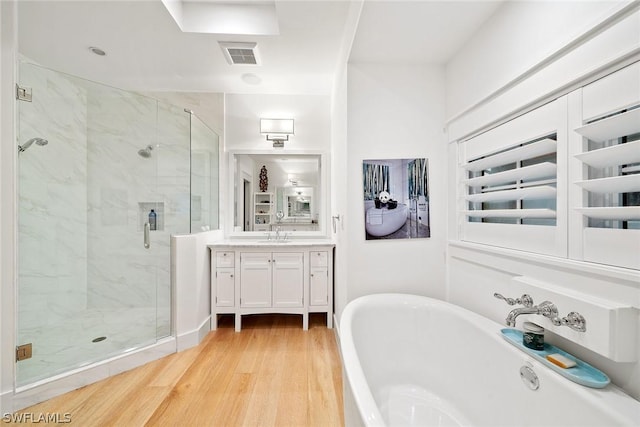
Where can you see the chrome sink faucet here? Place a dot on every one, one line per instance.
(547, 309)
(277, 233)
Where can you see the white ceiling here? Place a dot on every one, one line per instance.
(146, 51)
(417, 32)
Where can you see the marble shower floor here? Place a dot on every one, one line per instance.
(68, 344)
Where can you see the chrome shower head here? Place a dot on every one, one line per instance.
(38, 141)
(145, 152)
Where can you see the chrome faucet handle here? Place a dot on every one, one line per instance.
(574, 320)
(268, 234)
(509, 301)
(525, 300)
(548, 309)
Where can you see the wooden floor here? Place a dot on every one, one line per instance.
(271, 374)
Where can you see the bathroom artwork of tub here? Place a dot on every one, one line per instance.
(396, 198)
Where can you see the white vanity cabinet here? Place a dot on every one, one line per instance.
(261, 278)
(271, 279)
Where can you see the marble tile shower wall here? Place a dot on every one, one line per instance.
(122, 273)
(174, 183)
(204, 159)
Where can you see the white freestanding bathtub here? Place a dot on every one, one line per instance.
(415, 361)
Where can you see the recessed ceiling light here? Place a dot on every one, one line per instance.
(97, 51)
(251, 79)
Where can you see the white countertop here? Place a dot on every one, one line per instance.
(261, 243)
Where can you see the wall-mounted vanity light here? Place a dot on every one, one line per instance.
(277, 130)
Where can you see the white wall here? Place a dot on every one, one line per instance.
(312, 126)
(339, 194)
(522, 35)
(394, 112)
(311, 114)
(191, 276)
(519, 35)
(339, 162)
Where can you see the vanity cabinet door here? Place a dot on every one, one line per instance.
(225, 287)
(288, 279)
(255, 279)
(319, 286)
(319, 278)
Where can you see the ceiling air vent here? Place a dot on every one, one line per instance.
(240, 53)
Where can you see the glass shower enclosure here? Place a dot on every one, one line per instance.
(93, 163)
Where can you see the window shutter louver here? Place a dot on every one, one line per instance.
(512, 177)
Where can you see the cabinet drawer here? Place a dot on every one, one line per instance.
(318, 258)
(225, 259)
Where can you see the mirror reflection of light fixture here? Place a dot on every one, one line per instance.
(277, 130)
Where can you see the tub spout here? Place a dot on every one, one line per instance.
(513, 314)
(545, 308)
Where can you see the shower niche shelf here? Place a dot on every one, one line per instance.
(143, 214)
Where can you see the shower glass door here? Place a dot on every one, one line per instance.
(100, 159)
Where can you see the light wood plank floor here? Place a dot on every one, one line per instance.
(271, 374)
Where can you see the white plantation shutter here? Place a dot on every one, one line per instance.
(609, 151)
(562, 179)
(511, 182)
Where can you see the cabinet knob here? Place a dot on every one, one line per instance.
(311, 275)
(231, 275)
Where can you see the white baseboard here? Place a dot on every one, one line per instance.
(336, 334)
(195, 336)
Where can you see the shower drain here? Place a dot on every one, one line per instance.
(98, 339)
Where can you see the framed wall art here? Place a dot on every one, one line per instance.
(396, 198)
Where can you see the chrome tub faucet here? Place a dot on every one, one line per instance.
(547, 309)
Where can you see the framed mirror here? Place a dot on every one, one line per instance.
(281, 190)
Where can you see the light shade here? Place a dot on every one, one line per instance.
(276, 126)
(277, 130)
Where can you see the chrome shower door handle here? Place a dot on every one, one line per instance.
(147, 229)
